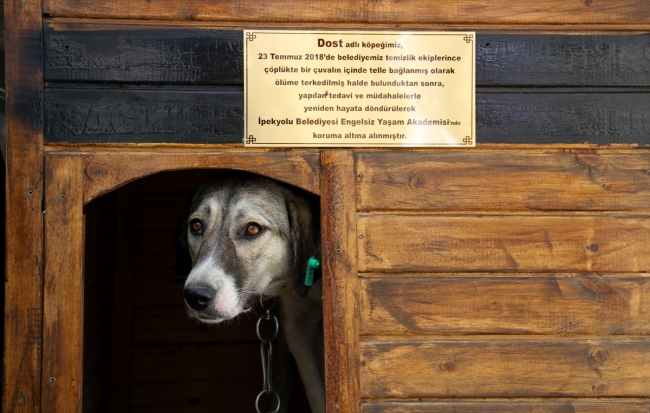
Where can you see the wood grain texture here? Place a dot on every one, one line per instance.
(503, 407)
(510, 180)
(23, 308)
(143, 54)
(107, 170)
(562, 116)
(561, 60)
(88, 52)
(63, 296)
(140, 114)
(175, 114)
(340, 307)
(505, 368)
(448, 11)
(589, 304)
(559, 243)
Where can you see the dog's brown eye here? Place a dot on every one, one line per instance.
(196, 226)
(253, 229)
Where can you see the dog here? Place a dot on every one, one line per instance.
(243, 237)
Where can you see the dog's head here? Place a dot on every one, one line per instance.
(242, 237)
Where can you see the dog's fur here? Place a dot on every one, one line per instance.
(227, 269)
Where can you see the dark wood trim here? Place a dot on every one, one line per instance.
(24, 218)
(340, 308)
(215, 114)
(96, 113)
(141, 53)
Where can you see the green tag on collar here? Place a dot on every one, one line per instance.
(312, 265)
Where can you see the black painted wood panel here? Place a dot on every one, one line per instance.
(98, 114)
(572, 116)
(144, 54)
(149, 54)
(562, 60)
(200, 114)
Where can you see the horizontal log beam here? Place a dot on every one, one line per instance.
(174, 114)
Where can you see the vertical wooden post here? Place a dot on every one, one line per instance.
(339, 224)
(24, 221)
(63, 286)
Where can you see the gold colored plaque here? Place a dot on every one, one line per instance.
(329, 88)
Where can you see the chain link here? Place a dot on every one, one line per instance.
(266, 350)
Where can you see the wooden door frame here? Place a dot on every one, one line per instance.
(74, 177)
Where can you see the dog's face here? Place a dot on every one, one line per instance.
(242, 236)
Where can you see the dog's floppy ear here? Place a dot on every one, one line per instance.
(183, 265)
(304, 240)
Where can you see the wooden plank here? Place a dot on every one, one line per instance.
(142, 114)
(562, 116)
(503, 407)
(558, 243)
(417, 11)
(123, 320)
(63, 296)
(23, 307)
(142, 54)
(137, 53)
(340, 308)
(106, 170)
(589, 304)
(178, 183)
(506, 368)
(561, 60)
(511, 180)
(175, 114)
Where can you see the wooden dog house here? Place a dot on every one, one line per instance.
(512, 277)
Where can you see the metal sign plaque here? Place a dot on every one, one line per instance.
(328, 88)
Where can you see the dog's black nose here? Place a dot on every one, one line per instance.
(199, 297)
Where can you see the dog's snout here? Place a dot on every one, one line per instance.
(199, 297)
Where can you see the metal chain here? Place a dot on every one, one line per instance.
(266, 348)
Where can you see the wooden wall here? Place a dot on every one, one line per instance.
(509, 278)
(499, 274)
(131, 82)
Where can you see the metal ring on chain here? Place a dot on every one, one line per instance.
(267, 353)
(275, 333)
(257, 401)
